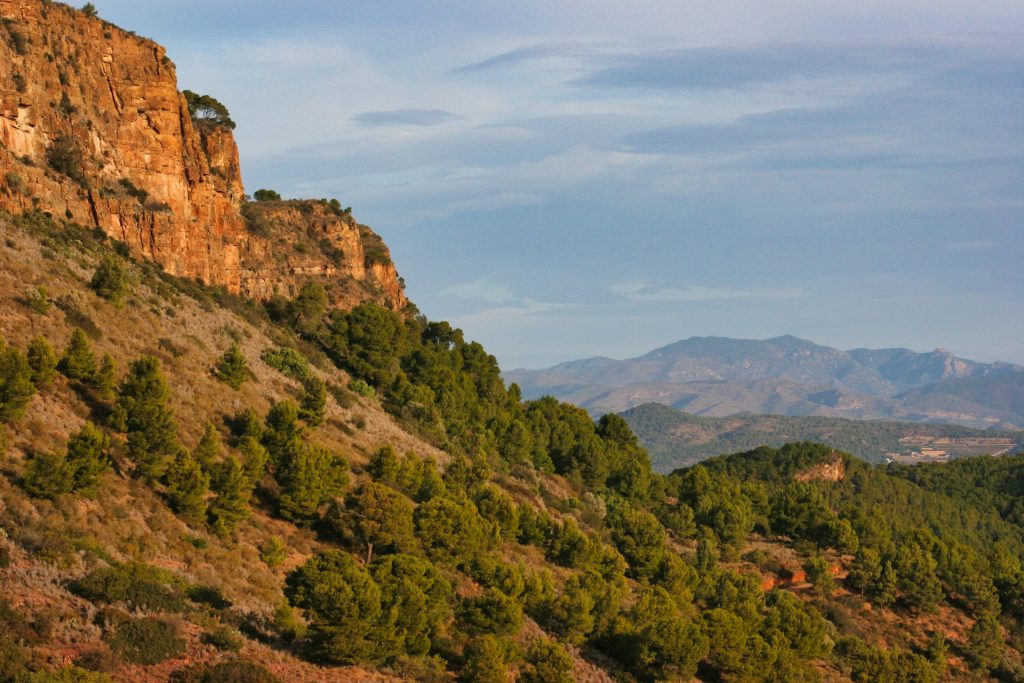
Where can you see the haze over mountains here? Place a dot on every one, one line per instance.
(717, 377)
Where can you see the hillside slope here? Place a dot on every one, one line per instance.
(551, 552)
(308, 484)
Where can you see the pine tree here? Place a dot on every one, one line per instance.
(79, 361)
(343, 607)
(283, 435)
(547, 662)
(208, 451)
(187, 485)
(43, 362)
(110, 280)
(375, 517)
(16, 388)
(985, 642)
(105, 381)
(141, 412)
(865, 570)
(886, 590)
(230, 506)
(383, 465)
(232, 368)
(87, 456)
(485, 661)
(313, 404)
(938, 652)
(48, 475)
(308, 478)
(254, 460)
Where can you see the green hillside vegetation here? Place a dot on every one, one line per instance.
(214, 503)
(675, 439)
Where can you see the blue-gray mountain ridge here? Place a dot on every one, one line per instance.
(719, 376)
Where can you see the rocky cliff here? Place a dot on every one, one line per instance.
(93, 129)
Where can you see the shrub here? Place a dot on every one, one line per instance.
(208, 595)
(89, 9)
(225, 639)
(232, 671)
(135, 584)
(273, 552)
(15, 185)
(65, 157)
(69, 674)
(110, 280)
(100, 659)
(287, 361)
(255, 221)
(232, 368)
(37, 299)
(358, 386)
(148, 641)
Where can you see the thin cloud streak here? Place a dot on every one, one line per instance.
(405, 117)
(646, 292)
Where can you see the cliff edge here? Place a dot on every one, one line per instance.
(93, 129)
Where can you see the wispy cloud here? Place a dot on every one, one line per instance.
(405, 117)
(527, 53)
(526, 308)
(483, 289)
(969, 245)
(647, 292)
(744, 66)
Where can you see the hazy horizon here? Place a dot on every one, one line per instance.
(566, 180)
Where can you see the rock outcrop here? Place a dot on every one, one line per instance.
(301, 240)
(93, 129)
(833, 469)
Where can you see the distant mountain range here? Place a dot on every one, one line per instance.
(718, 377)
(676, 439)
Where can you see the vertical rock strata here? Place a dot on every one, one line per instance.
(94, 129)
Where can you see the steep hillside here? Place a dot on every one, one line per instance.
(277, 473)
(278, 516)
(94, 129)
(718, 377)
(677, 439)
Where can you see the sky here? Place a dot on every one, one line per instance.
(574, 179)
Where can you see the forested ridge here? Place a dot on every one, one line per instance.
(674, 438)
(536, 543)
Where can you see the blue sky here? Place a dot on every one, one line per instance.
(567, 179)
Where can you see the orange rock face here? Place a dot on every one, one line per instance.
(304, 240)
(94, 129)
